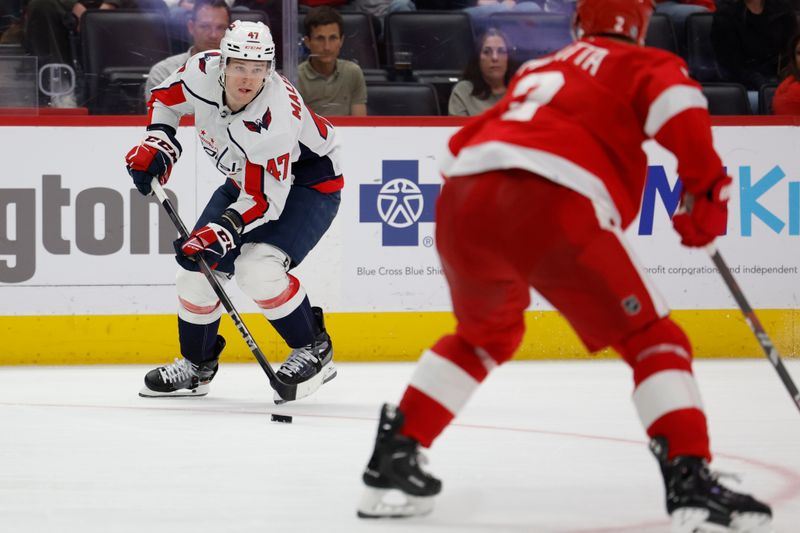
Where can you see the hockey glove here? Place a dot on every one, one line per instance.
(215, 239)
(701, 218)
(153, 158)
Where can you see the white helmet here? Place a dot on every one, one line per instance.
(247, 40)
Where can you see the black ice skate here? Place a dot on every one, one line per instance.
(182, 378)
(396, 486)
(311, 365)
(697, 502)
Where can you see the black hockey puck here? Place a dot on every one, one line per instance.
(285, 419)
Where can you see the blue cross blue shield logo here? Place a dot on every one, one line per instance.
(399, 202)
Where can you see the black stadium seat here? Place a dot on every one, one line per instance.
(765, 95)
(661, 34)
(701, 58)
(726, 98)
(439, 41)
(401, 99)
(118, 49)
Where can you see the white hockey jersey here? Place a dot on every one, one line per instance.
(268, 146)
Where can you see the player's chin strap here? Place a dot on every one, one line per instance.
(752, 321)
(286, 391)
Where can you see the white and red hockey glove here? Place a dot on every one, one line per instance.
(703, 217)
(214, 240)
(153, 157)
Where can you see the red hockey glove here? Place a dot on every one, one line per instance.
(703, 217)
(153, 158)
(215, 239)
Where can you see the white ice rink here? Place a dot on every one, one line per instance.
(542, 447)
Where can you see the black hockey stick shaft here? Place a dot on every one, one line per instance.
(755, 325)
(284, 390)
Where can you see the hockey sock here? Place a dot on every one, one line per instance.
(666, 395)
(298, 328)
(443, 381)
(197, 340)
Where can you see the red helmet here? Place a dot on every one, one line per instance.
(626, 18)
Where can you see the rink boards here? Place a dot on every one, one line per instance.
(87, 273)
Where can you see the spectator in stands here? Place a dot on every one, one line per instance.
(330, 86)
(10, 11)
(47, 28)
(787, 97)
(48, 22)
(378, 9)
(750, 39)
(206, 25)
(486, 76)
(480, 12)
(678, 11)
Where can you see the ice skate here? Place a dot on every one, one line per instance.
(698, 503)
(182, 377)
(310, 366)
(396, 486)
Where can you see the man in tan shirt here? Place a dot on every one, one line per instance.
(330, 86)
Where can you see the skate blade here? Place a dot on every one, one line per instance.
(751, 523)
(307, 388)
(692, 520)
(392, 503)
(201, 390)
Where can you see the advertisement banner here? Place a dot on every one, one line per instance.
(77, 239)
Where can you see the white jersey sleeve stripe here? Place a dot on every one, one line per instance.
(669, 103)
(493, 155)
(665, 392)
(444, 381)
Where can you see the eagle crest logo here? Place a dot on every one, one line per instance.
(260, 123)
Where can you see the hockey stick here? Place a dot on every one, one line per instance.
(755, 325)
(286, 391)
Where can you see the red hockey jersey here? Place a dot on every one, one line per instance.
(579, 117)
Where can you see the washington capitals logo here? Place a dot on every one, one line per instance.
(259, 123)
(204, 60)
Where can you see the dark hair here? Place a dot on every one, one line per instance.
(210, 3)
(472, 72)
(322, 16)
(791, 66)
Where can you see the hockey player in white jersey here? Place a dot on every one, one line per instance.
(282, 186)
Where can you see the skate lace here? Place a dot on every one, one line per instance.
(178, 371)
(298, 359)
(717, 475)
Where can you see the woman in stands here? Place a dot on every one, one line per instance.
(485, 77)
(787, 96)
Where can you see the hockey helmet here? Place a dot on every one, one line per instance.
(626, 18)
(250, 41)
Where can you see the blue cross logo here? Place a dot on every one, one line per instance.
(399, 203)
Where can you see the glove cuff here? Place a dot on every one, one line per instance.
(230, 221)
(234, 219)
(162, 138)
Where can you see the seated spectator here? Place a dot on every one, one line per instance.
(678, 11)
(46, 34)
(48, 22)
(787, 97)
(483, 9)
(486, 76)
(378, 9)
(749, 39)
(206, 25)
(330, 86)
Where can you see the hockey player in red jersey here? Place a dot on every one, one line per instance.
(538, 191)
(282, 177)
